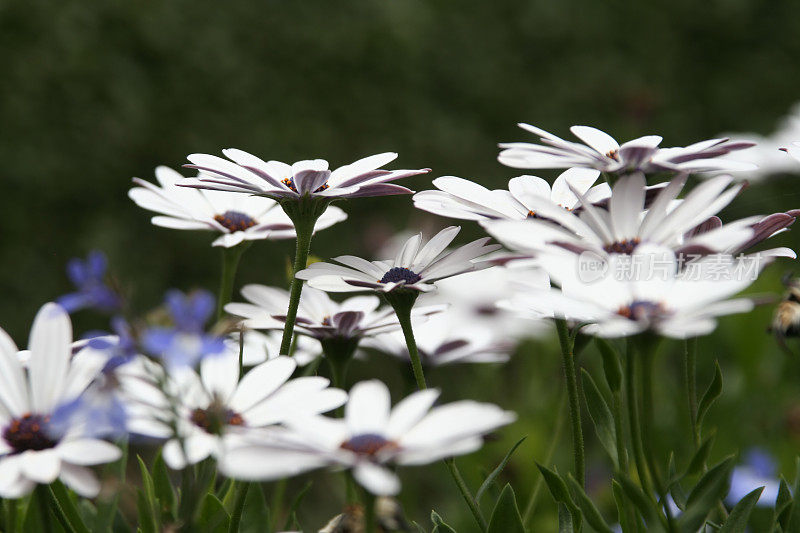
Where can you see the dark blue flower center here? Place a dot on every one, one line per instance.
(289, 182)
(367, 444)
(622, 247)
(235, 221)
(641, 310)
(398, 274)
(29, 432)
(214, 419)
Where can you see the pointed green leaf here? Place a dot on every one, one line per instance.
(700, 457)
(163, 488)
(783, 504)
(674, 484)
(439, 525)
(643, 504)
(711, 488)
(505, 516)
(590, 512)
(713, 392)
(147, 515)
(737, 520)
(611, 366)
(624, 512)
(213, 517)
(601, 416)
(564, 520)
(297, 500)
(496, 472)
(558, 489)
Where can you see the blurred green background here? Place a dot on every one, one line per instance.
(93, 93)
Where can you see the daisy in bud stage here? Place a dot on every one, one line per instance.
(31, 450)
(215, 409)
(464, 199)
(339, 327)
(237, 218)
(304, 190)
(601, 152)
(370, 438)
(625, 225)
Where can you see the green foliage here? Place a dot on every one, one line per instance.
(505, 516)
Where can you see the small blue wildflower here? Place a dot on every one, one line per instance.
(89, 279)
(186, 343)
(757, 470)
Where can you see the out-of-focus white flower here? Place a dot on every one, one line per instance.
(638, 292)
(444, 341)
(625, 225)
(370, 438)
(414, 267)
(260, 347)
(603, 153)
(215, 409)
(460, 198)
(238, 218)
(245, 173)
(31, 450)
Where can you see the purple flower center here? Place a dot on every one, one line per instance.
(622, 247)
(398, 274)
(29, 432)
(214, 419)
(641, 310)
(289, 182)
(367, 444)
(235, 221)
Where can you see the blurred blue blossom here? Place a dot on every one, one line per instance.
(121, 346)
(185, 343)
(757, 470)
(88, 277)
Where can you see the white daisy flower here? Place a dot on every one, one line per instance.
(246, 173)
(30, 452)
(319, 316)
(793, 150)
(444, 341)
(371, 437)
(260, 347)
(644, 291)
(413, 268)
(602, 152)
(625, 225)
(237, 218)
(460, 198)
(216, 409)
(763, 229)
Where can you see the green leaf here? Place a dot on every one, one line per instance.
(643, 504)
(256, 510)
(505, 516)
(611, 366)
(439, 525)
(107, 505)
(711, 488)
(590, 512)
(163, 488)
(674, 484)
(712, 393)
(624, 513)
(73, 515)
(296, 502)
(564, 520)
(213, 517)
(700, 457)
(496, 472)
(147, 515)
(737, 520)
(558, 489)
(601, 416)
(420, 529)
(783, 504)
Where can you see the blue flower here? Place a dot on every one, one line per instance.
(121, 346)
(185, 343)
(89, 279)
(758, 470)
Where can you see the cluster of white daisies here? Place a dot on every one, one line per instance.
(605, 246)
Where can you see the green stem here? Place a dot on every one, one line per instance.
(305, 231)
(276, 505)
(633, 419)
(402, 301)
(10, 523)
(41, 499)
(238, 507)
(690, 371)
(56, 506)
(574, 403)
(230, 263)
(646, 376)
(551, 451)
(466, 494)
(370, 520)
